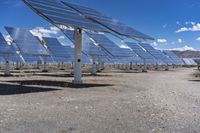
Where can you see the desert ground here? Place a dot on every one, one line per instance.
(111, 102)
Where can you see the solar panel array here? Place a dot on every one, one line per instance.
(26, 42)
(63, 13)
(70, 35)
(142, 53)
(31, 59)
(2, 60)
(108, 22)
(58, 51)
(93, 50)
(189, 61)
(160, 57)
(16, 58)
(4, 47)
(89, 47)
(173, 56)
(57, 13)
(110, 47)
(70, 51)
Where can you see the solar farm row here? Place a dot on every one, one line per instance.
(88, 36)
(97, 46)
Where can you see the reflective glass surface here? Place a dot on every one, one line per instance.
(26, 42)
(163, 59)
(108, 22)
(57, 13)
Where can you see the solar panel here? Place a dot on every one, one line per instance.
(89, 47)
(70, 35)
(2, 60)
(93, 50)
(189, 61)
(173, 56)
(193, 62)
(142, 53)
(157, 54)
(110, 23)
(26, 42)
(56, 49)
(4, 47)
(57, 13)
(31, 59)
(16, 58)
(110, 47)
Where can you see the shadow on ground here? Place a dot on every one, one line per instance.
(68, 75)
(10, 89)
(196, 80)
(58, 83)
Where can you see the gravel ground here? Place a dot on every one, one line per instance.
(161, 101)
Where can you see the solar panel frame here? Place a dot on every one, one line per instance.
(64, 15)
(31, 59)
(142, 53)
(4, 47)
(174, 57)
(58, 51)
(162, 58)
(189, 61)
(26, 42)
(89, 47)
(108, 22)
(110, 47)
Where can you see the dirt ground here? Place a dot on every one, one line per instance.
(157, 102)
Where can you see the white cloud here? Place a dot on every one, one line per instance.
(52, 32)
(154, 44)
(124, 46)
(182, 30)
(43, 32)
(161, 41)
(185, 48)
(180, 40)
(8, 39)
(61, 37)
(192, 23)
(195, 27)
(198, 39)
(47, 32)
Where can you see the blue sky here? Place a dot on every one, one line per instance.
(173, 23)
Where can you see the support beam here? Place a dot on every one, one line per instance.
(131, 65)
(173, 66)
(77, 56)
(45, 67)
(167, 67)
(58, 64)
(94, 66)
(136, 67)
(38, 64)
(7, 65)
(62, 66)
(72, 65)
(99, 65)
(17, 65)
(157, 67)
(145, 66)
(102, 66)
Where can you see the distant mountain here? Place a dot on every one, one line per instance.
(187, 54)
